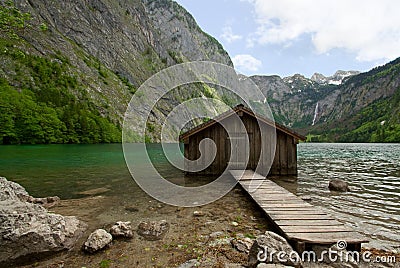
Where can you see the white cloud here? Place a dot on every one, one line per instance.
(246, 62)
(229, 36)
(369, 28)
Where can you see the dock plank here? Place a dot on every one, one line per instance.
(301, 217)
(295, 212)
(326, 238)
(297, 220)
(307, 222)
(315, 229)
(268, 204)
(275, 209)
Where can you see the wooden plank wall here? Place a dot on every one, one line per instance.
(283, 157)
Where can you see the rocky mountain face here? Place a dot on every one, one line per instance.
(338, 78)
(130, 38)
(69, 69)
(103, 50)
(366, 109)
(293, 99)
(180, 36)
(367, 103)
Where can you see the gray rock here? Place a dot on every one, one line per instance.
(10, 190)
(153, 230)
(131, 208)
(216, 234)
(190, 264)
(242, 244)
(266, 248)
(47, 202)
(338, 185)
(178, 35)
(121, 229)
(342, 258)
(233, 265)
(220, 241)
(27, 228)
(272, 265)
(306, 198)
(97, 240)
(198, 213)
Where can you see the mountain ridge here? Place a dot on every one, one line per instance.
(332, 112)
(70, 69)
(103, 51)
(336, 79)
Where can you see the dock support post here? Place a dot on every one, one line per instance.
(300, 247)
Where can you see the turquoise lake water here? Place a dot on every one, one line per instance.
(372, 170)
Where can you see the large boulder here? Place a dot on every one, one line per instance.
(338, 185)
(153, 230)
(12, 190)
(274, 249)
(28, 229)
(97, 240)
(121, 229)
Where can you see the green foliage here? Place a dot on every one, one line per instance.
(213, 41)
(42, 109)
(150, 127)
(206, 119)
(228, 100)
(105, 263)
(251, 236)
(318, 138)
(177, 58)
(43, 26)
(378, 122)
(25, 121)
(210, 92)
(148, 139)
(12, 19)
(388, 70)
(126, 82)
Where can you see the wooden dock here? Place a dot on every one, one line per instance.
(301, 223)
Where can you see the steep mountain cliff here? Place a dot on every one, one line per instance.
(293, 99)
(367, 108)
(69, 68)
(361, 108)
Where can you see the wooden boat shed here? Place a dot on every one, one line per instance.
(260, 154)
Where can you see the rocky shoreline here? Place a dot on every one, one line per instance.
(229, 233)
(27, 228)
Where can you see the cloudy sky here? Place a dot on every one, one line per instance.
(285, 37)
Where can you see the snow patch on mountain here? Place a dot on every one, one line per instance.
(338, 78)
